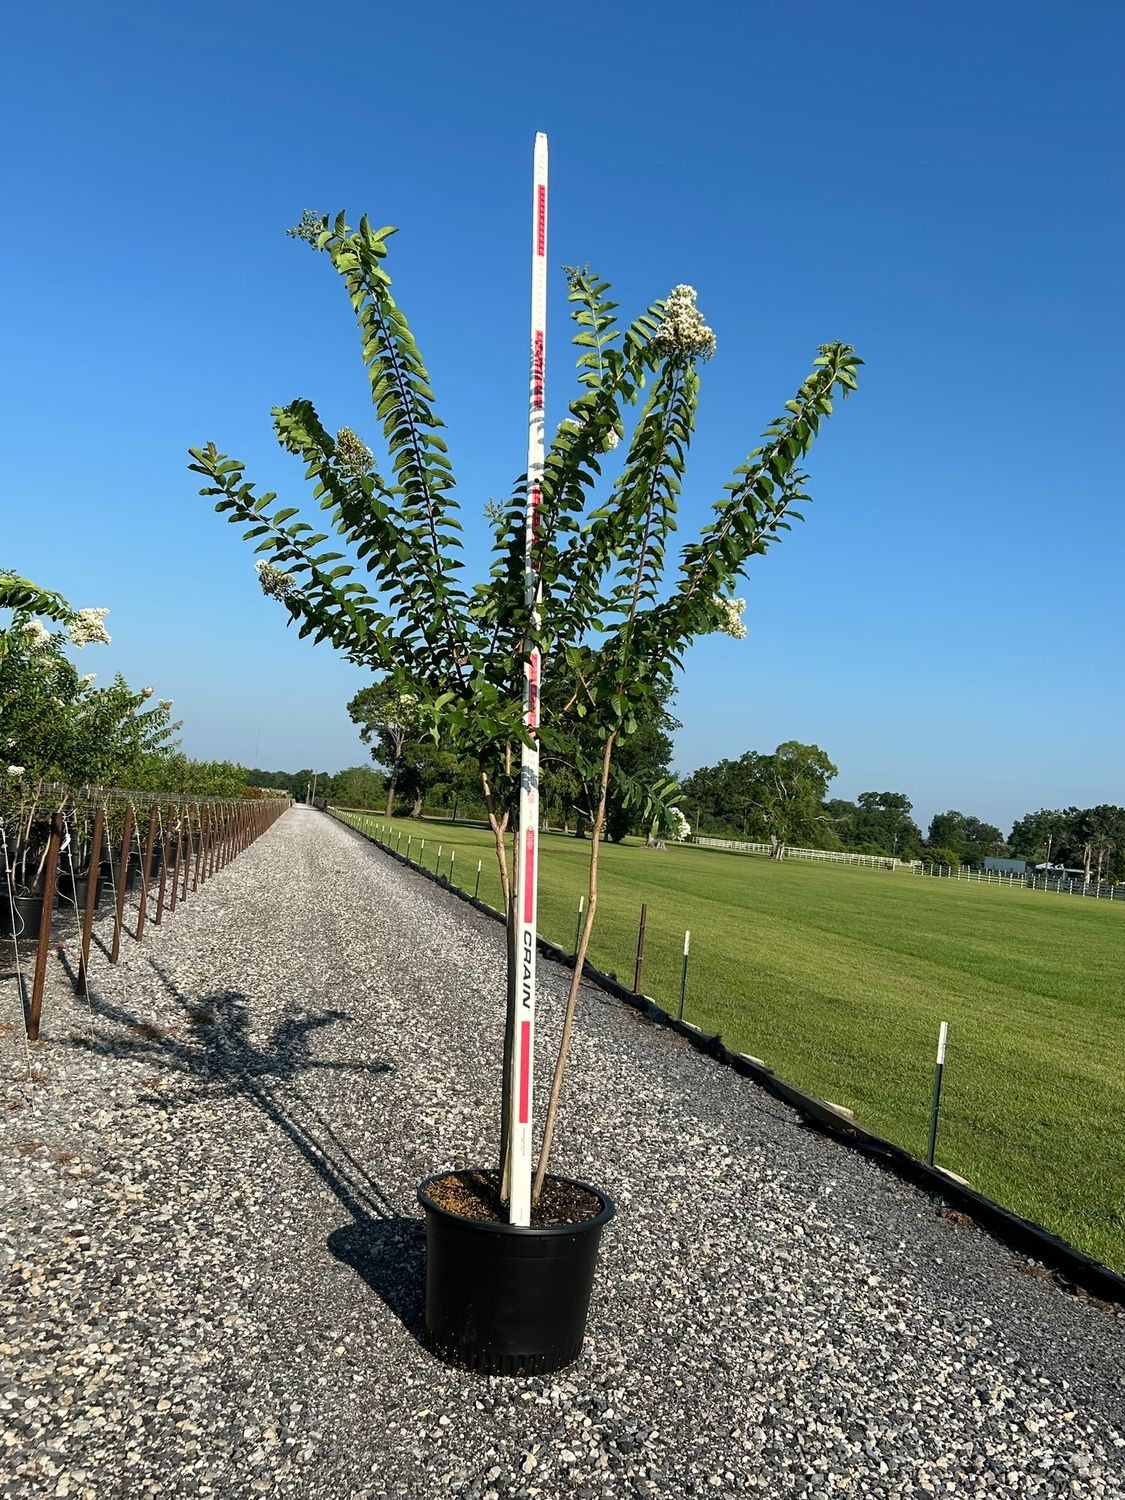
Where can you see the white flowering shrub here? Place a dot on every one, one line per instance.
(276, 584)
(54, 723)
(729, 620)
(88, 628)
(678, 826)
(682, 329)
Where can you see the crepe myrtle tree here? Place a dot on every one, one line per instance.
(614, 616)
(388, 717)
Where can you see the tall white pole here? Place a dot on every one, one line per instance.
(527, 844)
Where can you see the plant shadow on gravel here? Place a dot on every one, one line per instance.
(213, 1048)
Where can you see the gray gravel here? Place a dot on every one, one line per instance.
(214, 1256)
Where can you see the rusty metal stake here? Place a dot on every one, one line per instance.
(640, 949)
(49, 876)
(187, 853)
(122, 871)
(176, 865)
(159, 918)
(146, 873)
(93, 886)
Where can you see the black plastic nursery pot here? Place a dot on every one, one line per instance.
(73, 885)
(27, 911)
(81, 889)
(505, 1300)
(111, 873)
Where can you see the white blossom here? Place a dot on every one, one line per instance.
(38, 635)
(164, 703)
(15, 770)
(678, 826)
(731, 622)
(609, 442)
(276, 583)
(146, 692)
(683, 330)
(88, 679)
(88, 628)
(353, 455)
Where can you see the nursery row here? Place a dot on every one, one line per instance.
(67, 856)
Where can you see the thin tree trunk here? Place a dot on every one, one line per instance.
(390, 812)
(498, 826)
(576, 978)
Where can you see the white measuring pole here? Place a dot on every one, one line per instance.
(527, 845)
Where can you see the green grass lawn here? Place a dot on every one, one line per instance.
(838, 978)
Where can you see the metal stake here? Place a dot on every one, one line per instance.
(640, 949)
(50, 875)
(146, 873)
(683, 975)
(935, 1105)
(122, 871)
(93, 883)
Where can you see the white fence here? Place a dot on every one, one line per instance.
(834, 856)
(1099, 890)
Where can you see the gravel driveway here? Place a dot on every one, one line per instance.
(213, 1257)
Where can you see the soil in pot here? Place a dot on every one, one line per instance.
(476, 1195)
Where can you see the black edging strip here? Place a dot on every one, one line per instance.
(1072, 1268)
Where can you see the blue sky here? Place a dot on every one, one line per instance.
(939, 185)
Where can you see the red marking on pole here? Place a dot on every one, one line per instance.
(541, 221)
(537, 369)
(533, 691)
(529, 875)
(525, 1070)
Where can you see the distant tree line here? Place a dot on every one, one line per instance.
(781, 798)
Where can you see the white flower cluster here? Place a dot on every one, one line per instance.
(275, 583)
(88, 679)
(353, 456)
(38, 635)
(678, 825)
(15, 770)
(731, 622)
(609, 442)
(164, 703)
(88, 628)
(146, 692)
(683, 330)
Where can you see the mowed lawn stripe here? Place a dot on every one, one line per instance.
(839, 976)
